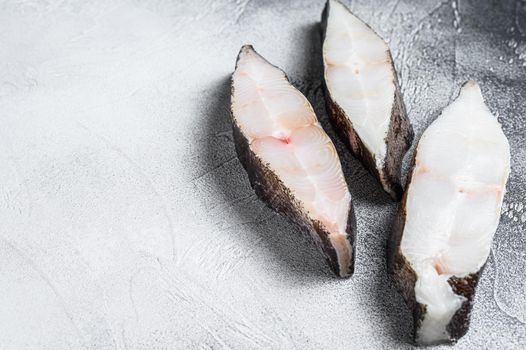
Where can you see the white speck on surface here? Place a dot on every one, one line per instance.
(129, 223)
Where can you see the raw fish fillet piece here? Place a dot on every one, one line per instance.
(291, 162)
(448, 216)
(363, 96)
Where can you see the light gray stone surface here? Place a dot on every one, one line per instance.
(126, 220)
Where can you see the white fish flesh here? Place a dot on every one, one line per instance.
(449, 214)
(363, 95)
(291, 162)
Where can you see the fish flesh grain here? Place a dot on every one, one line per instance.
(291, 162)
(363, 95)
(449, 214)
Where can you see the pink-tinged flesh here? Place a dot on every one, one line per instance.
(282, 129)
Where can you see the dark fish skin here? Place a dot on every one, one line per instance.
(399, 137)
(271, 190)
(405, 278)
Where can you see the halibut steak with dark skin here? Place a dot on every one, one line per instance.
(291, 162)
(363, 95)
(448, 216)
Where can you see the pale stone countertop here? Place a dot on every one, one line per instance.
(127, 222)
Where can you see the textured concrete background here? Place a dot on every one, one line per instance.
(128, 222)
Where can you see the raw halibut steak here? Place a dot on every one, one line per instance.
(363, 96)
(448, 216)
(291, 162)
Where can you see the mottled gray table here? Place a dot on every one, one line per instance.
(126, 220)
